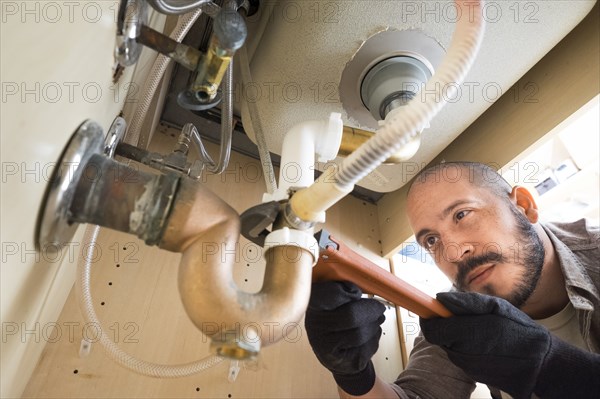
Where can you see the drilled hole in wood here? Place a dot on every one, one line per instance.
(124, 248)
(110, 283)
(197, 389)
(246, 280)
(229, 395)
(75, 371)
(118, 265)
(102, 303)
(386, 358)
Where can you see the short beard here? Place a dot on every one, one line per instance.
(532, 254)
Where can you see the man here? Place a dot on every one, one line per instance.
(508, 270)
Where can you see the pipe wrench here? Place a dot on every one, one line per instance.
(337, 262)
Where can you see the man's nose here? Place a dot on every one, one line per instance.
(456, 252)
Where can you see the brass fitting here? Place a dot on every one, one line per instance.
(229, 35)
(212, 68)
(352, 138)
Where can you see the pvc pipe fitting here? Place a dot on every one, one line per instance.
(300, 145)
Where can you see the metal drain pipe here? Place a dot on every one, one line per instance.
(180, 215)
(207, 231)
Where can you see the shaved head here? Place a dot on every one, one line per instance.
(478, 174)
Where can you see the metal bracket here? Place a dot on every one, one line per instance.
(115, 135)
(234, 370)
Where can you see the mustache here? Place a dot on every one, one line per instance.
(466, 266)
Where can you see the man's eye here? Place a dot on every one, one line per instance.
(430, 242)
(461, 214)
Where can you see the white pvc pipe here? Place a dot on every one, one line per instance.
(300, 145)
(402, 126)
(298, 155)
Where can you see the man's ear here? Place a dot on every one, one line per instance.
(524, 201)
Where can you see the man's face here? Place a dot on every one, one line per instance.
(480, 242)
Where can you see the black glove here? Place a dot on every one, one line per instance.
(343, 330)
(497, 344)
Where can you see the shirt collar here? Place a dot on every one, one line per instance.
(575, 277)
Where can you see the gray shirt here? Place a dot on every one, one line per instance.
(430, 374)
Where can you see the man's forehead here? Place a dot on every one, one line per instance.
(429, 197)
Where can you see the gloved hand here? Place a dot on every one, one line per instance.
(497, 344)
(344, 330)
